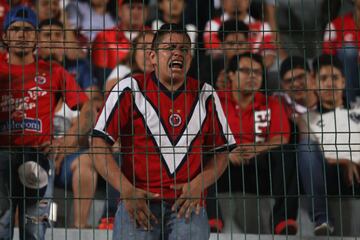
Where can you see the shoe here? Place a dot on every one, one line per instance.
(106, 224)
(324, 229)
(216, 225)
(286, 227)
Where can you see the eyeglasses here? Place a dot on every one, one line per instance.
(251, 71)
(300, 77)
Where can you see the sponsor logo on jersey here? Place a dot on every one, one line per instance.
(28, 124)
(355, 117)
(175, 120)
(40, 80)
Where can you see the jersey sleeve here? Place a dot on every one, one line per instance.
(211, 39)
(73, 95)
(264, 40)
(115, 114)
(279, 125)
(330, 38)
(218, 136)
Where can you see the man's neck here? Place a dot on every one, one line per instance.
(171, 18)
(331, 105)
(171, 85)
(243, 99)
(309, 101)
(15, 59)
(239, 15)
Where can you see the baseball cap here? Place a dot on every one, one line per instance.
(293, 62)
(33, 174)
(20, 13)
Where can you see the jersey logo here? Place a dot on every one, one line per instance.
(172, 154)
(29, 124)
(40, 80)
(175, 120)
(262, 120)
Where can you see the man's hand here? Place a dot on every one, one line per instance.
(242, 154)
(190, 199)
(58, 148)
(352, 173)
(135, 203)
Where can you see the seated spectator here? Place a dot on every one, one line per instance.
(51, 48)
(51, 9)
(138, 61)
(342, 39)
(233, 35)
(260, 36)
(90, 17)
(332, 169)
(76, 169)
(298, 87)
(263, 162)
(112, 46)
(172, 11)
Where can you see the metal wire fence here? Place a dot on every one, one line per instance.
(174, 119)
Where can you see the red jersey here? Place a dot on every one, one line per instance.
(339, 32)
(111, 47)
(163, 135)
(260, 121)
(260, 36)
(29, 94)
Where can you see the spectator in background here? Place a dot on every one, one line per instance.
(51, 9)
(138, 60)
(90, 17)
(341, 38)
(233, 35)
(76, 170)
(26, 116)
(260, 36)
(172, 11)
(330, 169)
(112, 46)
(298, 87)
(264, 162)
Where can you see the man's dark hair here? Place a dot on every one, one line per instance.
(293, 62)
(232, 27)
(168, 28)
(51, 22)
(327, 60)
(234, 62)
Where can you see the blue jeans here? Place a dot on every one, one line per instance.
(349, 56)
(33, 214)
(312, 168)
(169, 227)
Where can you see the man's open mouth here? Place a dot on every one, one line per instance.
(176, 64)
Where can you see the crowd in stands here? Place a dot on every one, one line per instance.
(61, 62)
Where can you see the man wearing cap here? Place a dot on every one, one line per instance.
(112, 46)
(29, 93)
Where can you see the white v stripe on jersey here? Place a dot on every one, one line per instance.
(172, 155)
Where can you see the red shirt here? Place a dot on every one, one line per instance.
(111, 46)
(29, 95)
(341, 31)
(163, 135)
(260, 121)
(260, 35)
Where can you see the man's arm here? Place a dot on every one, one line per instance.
(134, 199)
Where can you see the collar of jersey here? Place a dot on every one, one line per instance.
(167, 92)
